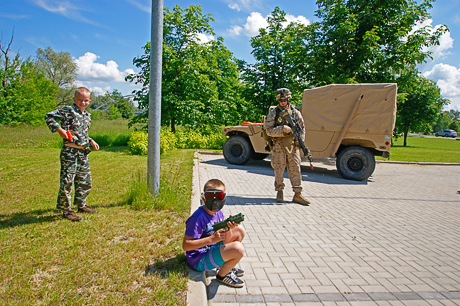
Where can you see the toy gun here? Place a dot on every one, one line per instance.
(296, 131)
(223, 224)
(69, 136)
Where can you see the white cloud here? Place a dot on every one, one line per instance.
(234, 6)
(145, 5)
(446, 42)
(203, 38)
(89, 70)
(255, 21)
(246, 5)
(447, 78)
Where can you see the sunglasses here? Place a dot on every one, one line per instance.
(283, 100)
(214, 194)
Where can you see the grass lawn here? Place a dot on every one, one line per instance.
(121, 256)
(425, 149)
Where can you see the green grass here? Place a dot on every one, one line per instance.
(423, 149)
(125, 255)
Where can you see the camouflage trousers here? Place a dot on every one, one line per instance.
(283, 159)
(74, 171)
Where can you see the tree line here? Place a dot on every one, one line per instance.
(352, 41)
(30, 88)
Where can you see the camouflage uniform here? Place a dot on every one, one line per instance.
(286, 153)
(74, 161)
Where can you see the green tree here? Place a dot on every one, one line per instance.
(199, 81)
(60, 69)
(442, 122)
(367, 41)
(27, 95)
(279, 54)
(419, 104)
(105, 102)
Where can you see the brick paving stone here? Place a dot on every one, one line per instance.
(395, 234)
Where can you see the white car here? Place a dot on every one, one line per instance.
(446, 133)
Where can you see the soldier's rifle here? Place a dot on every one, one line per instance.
(296, 132)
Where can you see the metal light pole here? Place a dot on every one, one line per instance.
(154, 126)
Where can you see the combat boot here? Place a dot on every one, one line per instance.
(279, 197)
(70, 215)
(298, 198)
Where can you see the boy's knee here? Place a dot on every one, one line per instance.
(239, 248)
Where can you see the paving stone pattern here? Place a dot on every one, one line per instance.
(393, 239)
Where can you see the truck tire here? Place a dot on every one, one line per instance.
(237, 150)
(355, 163)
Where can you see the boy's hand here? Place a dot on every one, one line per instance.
(94, 144)
(219, 235)
(231, 225)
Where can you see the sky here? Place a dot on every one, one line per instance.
(104, 36)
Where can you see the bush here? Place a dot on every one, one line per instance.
(167, 140)
(138, 143)
(182, 139)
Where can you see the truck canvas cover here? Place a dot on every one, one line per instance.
(328, 107)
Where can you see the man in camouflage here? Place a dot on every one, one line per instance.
(74, 153)
(285, 153)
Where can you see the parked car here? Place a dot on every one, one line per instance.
(446, 133)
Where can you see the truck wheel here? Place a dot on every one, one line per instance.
(355, 163)
(259, 156)
(237, 150)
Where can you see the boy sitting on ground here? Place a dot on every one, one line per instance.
(207, 249)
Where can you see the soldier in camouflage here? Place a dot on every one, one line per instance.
(74, 153)
(285, 153)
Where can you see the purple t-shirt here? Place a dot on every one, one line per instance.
(199, 225)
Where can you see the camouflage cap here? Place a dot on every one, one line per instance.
(282, 93)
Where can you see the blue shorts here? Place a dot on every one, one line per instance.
(212, 259)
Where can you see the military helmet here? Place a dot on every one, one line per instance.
(282, 93)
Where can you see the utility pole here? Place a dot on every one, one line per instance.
(154, 126)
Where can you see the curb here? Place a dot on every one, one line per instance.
(196, 293)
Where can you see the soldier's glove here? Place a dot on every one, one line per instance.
(287, 130)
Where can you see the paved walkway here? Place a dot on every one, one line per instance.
(391, 240)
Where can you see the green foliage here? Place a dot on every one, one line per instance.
(419, 104)
(25, 94)
(113, 112)
(113, 103)
(61, 70)
(138, 143)
(367, 41)
(167, 140)
(182, 139)
(278, 51)
(199, 82)
(97, 114)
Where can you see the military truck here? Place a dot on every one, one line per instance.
(351, 122)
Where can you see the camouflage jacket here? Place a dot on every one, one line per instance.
(274, 123)
(72, 119)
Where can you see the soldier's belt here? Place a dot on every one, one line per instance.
(72, 145)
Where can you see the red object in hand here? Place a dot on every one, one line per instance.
(69, 136)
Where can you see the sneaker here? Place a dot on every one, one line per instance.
(87, 209)
(70, 215)
(236, 271)
(230, 280)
